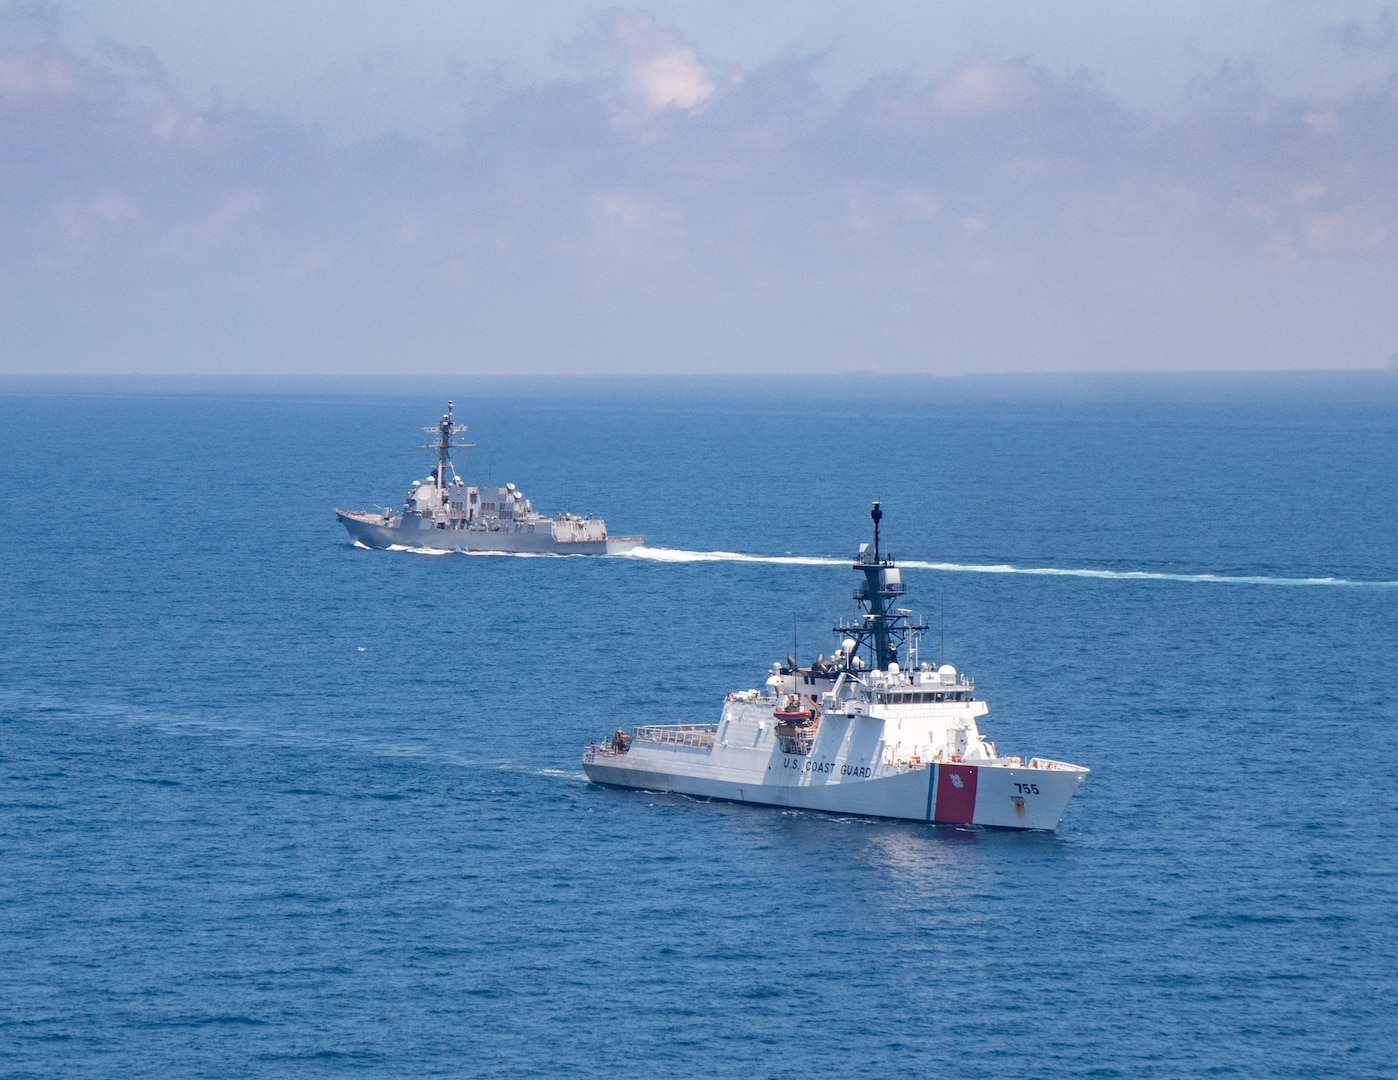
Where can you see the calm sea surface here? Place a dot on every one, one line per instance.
(273, 805)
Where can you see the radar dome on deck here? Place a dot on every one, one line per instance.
(847, 645)
(946, 669)
(893, 667)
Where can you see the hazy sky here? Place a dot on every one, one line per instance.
(434, 187)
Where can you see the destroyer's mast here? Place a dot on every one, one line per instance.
(882, 629)
(445, 429)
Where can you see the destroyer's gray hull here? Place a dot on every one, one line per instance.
(519, 540)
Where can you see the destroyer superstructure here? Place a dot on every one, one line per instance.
(443, 513)
(873, 730)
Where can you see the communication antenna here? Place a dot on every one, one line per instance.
(942, 600)
(881, 627)
(446, 431)
(795, 655)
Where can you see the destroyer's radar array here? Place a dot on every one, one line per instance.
(446, 429)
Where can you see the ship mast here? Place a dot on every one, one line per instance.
(445, 430)
(882, 629)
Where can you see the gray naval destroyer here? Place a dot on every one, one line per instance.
(443, 513)
(871, 731)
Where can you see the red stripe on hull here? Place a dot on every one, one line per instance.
(956, 794)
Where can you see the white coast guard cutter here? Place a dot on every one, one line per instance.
(850, 735)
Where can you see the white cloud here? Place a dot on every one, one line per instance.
(662, 67)
(634, 226)
(673, 80)
(33, 76)
(83, 222)
(1350, 230)
(980, 88)
(170, 125)
(1321, 121)
(918, 205)
(769, 212)
(972, 226)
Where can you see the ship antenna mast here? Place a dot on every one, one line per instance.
(445, 430)
(882, 629)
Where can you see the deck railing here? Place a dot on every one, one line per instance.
(701, 738)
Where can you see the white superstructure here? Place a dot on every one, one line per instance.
(850, 735)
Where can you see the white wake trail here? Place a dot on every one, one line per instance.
(458, 551)
(674, 555)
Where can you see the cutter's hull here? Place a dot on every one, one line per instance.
(843, 774)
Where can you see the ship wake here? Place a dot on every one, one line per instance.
(675, 555)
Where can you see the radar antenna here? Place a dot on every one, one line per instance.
(882, 629)
(446, 429)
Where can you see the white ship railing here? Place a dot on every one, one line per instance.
(701, 738)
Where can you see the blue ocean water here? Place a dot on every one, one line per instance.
(275, 805)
